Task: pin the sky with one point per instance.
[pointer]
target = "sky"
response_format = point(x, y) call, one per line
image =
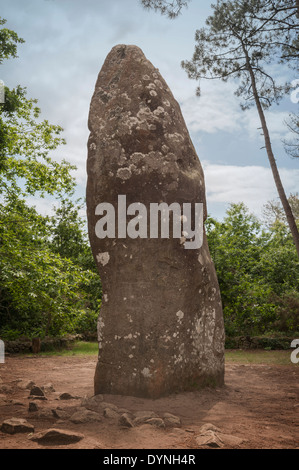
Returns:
point(66, 43)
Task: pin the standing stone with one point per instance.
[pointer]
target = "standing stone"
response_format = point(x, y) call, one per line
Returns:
point(160, 328)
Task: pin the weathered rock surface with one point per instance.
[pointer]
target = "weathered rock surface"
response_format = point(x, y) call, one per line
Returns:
point(67, 396)
point(16, 425)
point(171, 420)
point(32, 407)
point(57, 437)
point(93, 403)
point(60, 413)
point(126, 421)
point(142, 416)
point(45, 413)
point(211, 436)
point(26, 384)
point(160, 328)
point(85, 416)
point(110, 413)
point(36, 391)
point(111, 406)
point(157, 422)
point(232, 441)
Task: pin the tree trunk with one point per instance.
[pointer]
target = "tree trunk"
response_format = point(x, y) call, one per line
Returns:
point(284, 201)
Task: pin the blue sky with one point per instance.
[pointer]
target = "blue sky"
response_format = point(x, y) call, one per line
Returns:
point(66, 44)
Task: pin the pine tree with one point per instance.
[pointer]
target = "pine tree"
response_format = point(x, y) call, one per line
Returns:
point(238, 43)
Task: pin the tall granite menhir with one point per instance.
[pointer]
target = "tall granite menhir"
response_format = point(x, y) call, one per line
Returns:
point(160, 327)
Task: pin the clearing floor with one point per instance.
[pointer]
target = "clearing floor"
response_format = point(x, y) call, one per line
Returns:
point(258, 404)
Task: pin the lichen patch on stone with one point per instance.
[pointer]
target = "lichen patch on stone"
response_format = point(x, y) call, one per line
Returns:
point(180, 315)
point(103, 258)
point(124, 173)
point(146, 372)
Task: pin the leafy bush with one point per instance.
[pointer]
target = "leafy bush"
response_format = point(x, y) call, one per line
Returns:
point(258, 273)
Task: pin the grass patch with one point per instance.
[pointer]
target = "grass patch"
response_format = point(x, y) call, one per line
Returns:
point(259, 356)
point(238, 356)
point(85, 348)
point(78, 348)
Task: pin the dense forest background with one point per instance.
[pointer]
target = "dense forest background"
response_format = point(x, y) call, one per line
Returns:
point(49, 284)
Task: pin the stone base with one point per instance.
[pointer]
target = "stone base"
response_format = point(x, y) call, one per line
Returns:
point(108, 380)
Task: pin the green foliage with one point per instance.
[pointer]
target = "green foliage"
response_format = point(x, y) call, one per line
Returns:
point(282, 18)
point(68, 235)
point(273, 212)
point(240, 37)
point(258, 273)
point(41, 292)
point(287, 311)
point(291, 145)
point(25, 143)
point(170, 8)
point(48, 280)
point(8, 42)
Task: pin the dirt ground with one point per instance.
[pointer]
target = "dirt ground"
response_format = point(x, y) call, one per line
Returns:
point(259, 404)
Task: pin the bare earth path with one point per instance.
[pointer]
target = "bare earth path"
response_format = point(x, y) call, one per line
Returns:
point(259, 404)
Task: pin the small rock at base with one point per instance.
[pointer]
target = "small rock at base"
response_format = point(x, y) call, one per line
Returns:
point(57, 437)
point(26, 384)
point(171, 420)
point(66, 396)
point(16, 425)
point(85, 416)
point(126, 421)
point(32, 406)
point(157, 422)
point(109, 413)
point(209, 427)
point(232, 441)
point(92, 403)
point(36, 391)
point(141, 417)
point(45, 413)
point(60, 414)
point(209, 439)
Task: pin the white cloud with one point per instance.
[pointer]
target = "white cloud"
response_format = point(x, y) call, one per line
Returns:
point(216, 110)
point(44, 206)
point(275, 123)
point(253, 185)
